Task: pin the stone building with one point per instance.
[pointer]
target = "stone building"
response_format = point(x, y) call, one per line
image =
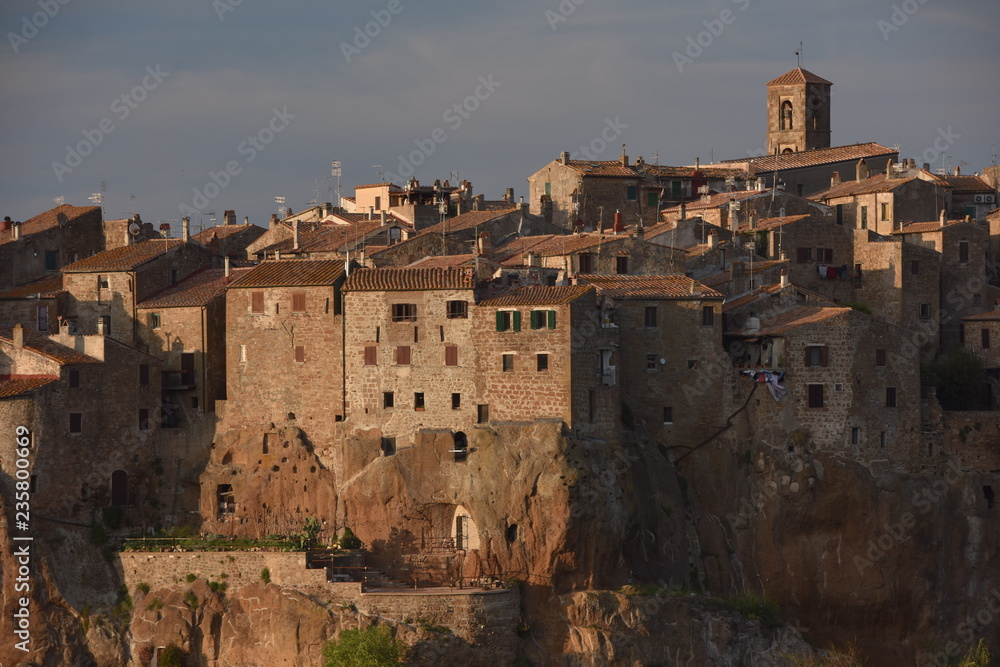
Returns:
point(284, 354)
point(42, 245)
point(415, 248)
point(798, 112)
point(92, 407)
point(883, 203)
point(36, 305)
point(229, 240)
point(103, 290)
point(591, 252)
point(732, 210)
point(671, 357)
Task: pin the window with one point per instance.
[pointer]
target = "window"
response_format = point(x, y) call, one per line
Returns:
point(508, 320)
point(143, 419)
point(621, 265)
point(816, 355)
point(173, 276)
point(102, 282)
point(880, 357)
point(864, 217)
point(404, 312)
point(925, 311)
point(458, 310)
point(815, 395)
point(194, 402)
point(650, 362)
point(74, 379)
point(388, 446)
point(403, 355)
point(855, 435)
point(76, 422)
point(298, 302)
point(651, 199)
point(786, 115)
point(42, 317)
point(154, 321)
point(225, 498)
point(890, 397)
point(914, 267)
point(243, 353)
point(482, 413)
point(537, 319)
point(840, 214)
point(882, 439)
point(708, 316)
point(631, 192)
point(508, 363)
point(300, 354)
point(543, 361)
point(456, 401)
point(803, 255)
point(388, 399)
point(986, 339)
point(371, 355)
point(799, 187)
point(418, 400)
point(104, 324)
point(548, 189)
point(187, 368)
point(451, 355)
point(885, 211)
point(963, 252)
point(824, 255)
point(257, 302)
point(51, 260)
point(378, 203)
point(668, 415)
point(650, 316)
point(586, 262)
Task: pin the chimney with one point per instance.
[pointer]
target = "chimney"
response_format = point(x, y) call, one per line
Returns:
point(640, 234)
point(295, 234)
point(246, 220)
point(783, 255)
point(624, 157)
point(530, 258)
point(17, 230)
point(186, 228)
point(230, 217)
point(564, 157)
point(381, 216)
point(695, 288)
point(958, 170)
point(371, 212)
point(713, 239)
point(227, 268)
point(943, 218)
point(784, 278)
point(697, 163)
point(485, 244)
point(835, 179)
point(619, 225)
point(273, 223)
point(6, 224)
point(508, 195)
point(19, 335)
point(927, 166)
point(861, 170)
point(890, 171)
point(683, 209)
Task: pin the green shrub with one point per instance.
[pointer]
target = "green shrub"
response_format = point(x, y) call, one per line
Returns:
point(190, 577)
point(349, 540)
point(959, 377)
point(755, 606)
point(172, 656)
point(112, 516)
point(371, 647)
point(191, 600)
point(265, 575)
point(217, 586)
point(978, 656)
point(142, 587)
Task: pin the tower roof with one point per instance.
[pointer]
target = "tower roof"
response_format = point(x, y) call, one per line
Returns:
point(798, 75)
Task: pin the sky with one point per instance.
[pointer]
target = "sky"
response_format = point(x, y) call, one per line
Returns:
point(195, 106)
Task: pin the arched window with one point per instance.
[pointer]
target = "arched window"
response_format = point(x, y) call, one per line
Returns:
point(788, 150)
point(786, 115)
point(119, 488)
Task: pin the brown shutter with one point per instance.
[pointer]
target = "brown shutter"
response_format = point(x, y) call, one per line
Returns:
point(451, 355)
point(300, 354)
point(258, 302)
point(298, 302)
point(371, 355)
point(823, 356)
point(403, 355)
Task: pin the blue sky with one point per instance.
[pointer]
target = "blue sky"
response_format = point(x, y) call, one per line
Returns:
point(295, 78)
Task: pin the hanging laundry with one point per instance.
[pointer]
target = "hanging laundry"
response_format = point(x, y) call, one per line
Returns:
point(822, 270)
point(842, 272)
point(831, 272)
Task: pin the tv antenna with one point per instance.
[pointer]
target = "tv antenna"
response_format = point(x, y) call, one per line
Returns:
point(798, 55)
point(380, 171)
point(335, 173)
point(101, 197)
point(59, 200)
point(280, 201)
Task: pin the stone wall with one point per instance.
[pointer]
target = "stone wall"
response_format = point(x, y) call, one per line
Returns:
point(23, 260)
point(972, 439)
point(818, 235)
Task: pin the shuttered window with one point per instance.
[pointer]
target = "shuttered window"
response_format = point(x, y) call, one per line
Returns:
point(451, 355)
point(257, 302)
point(403, 355)
point(300, 354)
point(298, 302)
point(371, 355)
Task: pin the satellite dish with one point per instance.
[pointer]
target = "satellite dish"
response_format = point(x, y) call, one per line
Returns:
point(134, 229)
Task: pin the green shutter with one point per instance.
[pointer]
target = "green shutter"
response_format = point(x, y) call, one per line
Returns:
point(552, 319)
point(499, 320)
point(517, 320)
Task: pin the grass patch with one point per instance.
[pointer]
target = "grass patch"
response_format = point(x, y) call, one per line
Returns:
point(754, 606)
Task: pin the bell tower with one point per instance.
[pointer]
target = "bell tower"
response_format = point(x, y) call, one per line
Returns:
point(798, 112)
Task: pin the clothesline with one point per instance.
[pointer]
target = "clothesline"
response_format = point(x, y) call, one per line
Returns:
point(772, 380)
point(831, 272)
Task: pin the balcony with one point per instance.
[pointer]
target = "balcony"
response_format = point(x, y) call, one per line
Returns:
point(178, 380)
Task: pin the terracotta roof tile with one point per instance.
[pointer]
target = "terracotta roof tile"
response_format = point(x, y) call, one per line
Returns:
point(291, 273)
point(538, 296)
point(782, 324)
point(817, 156)
point(768, 290)
point(708, 171)
point(11, 386)
point(967, 183)
point(61, 214)
point(442, 261)
point(469, 220)
point(988, 316)
point(611, 168)
point(405, 279)
point(46, 287)
point(197, 290)
point(391, 186)
point(43, 345)
point(225, 231)
point(124, 258)
point(797, 75)
point(876, 183)
point(651, 287)
point(773, 223)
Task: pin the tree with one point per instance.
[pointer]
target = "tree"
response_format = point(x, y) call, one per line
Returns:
point(371, 647)
point(959, 377)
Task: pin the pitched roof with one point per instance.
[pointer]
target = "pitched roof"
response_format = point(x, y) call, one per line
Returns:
point(988, 316)
point(816, 156)
point(442, 261)
point(782, 324)
point(876, 183)
point(291, 273)
point(43, 345)
point(390, 185)
point(195, 290)
point(46, 287)
point(538, 296)
point(612, 168)
point(768, 290)
point(718, 199)
point(330, 237)
point(225, 231)
point(707, 171)
point(470, 219)
point(967, 183)
point(927, 227)
point(651, 287)
point(772, 223)
point(60, 215)
point(124, 258)
point(798, 75)
point(18, 385)
point(406, 279)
